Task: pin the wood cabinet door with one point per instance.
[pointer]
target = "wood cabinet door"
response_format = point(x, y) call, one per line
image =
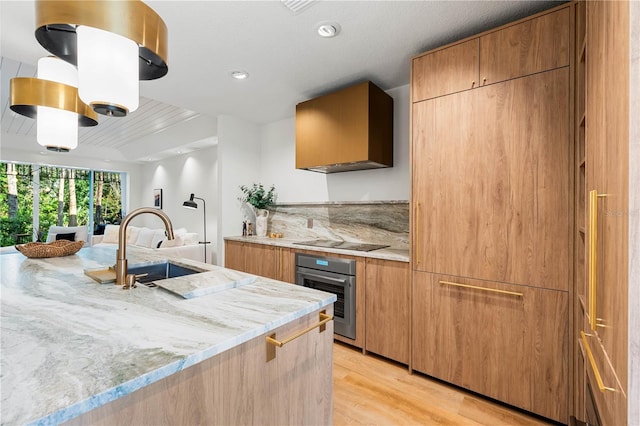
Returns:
point(234, 255)
point(287, 265)
point(510, 346)
point(387, 309)
point(452, 69)
point(607, 150)
point(491, 182)
point(260, 259)
point(532, 46)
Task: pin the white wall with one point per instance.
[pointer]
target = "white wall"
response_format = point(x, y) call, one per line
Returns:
point(277, 165)
point(239, 164)
point(178, 177)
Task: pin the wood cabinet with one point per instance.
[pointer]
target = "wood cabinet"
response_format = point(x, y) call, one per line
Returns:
point(445, 71)
point(352, 127)
point(525, 48)
point(491, 182)
point(516, 50)
point(504, 341)
point(239, 386)
point(491, 215)
point(387, 309)
point(603, 135)
point(260, 259)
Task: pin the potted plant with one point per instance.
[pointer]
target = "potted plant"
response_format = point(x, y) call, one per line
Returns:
point(260, 199)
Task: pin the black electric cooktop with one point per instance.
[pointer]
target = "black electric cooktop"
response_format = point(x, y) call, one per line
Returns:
point(343, 245)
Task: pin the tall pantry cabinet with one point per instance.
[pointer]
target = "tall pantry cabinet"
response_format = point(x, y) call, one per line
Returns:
point(492, 212)
point(602, 214)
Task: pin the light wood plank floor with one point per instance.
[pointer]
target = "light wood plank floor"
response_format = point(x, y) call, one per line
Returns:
point(369, 390)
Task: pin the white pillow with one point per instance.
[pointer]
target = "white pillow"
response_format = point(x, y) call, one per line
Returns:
point(133, 232)
point(191, 238)
point(180, 231)
point(111, 234)
point(157, 237)
point(176, 242)
point(145, 237)
point(82, 232)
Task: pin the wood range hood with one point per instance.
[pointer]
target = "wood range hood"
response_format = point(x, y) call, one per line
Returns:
point(350, 129)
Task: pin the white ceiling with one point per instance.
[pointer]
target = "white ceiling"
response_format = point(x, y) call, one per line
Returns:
point(287, 61)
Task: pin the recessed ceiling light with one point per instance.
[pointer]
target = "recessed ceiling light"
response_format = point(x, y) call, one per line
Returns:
point(328, 29)
point(239, 75)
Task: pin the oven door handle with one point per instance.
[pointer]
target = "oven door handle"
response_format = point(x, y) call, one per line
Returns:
point(322, 277)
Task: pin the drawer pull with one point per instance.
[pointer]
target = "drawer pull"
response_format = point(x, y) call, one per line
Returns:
point(272, 342)
point(592, 361)
point(493, 290)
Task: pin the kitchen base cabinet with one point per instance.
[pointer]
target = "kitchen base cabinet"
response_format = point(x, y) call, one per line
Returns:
point(387, 309)
point(508, 342)
point(267, 261)
point(239, 386)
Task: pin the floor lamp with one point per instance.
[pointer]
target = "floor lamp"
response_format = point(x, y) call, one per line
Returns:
point(191, 204)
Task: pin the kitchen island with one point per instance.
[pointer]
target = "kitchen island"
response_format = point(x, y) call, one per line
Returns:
point(73, 349)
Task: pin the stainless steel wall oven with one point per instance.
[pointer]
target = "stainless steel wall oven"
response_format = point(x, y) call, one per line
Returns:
point(333, 275)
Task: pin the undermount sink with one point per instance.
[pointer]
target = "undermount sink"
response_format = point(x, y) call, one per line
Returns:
point(146, 274)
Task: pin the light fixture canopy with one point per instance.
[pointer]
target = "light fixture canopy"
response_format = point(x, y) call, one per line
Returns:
point(61, 27)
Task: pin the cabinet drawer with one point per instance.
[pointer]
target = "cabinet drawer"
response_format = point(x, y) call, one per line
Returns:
point(532, 46)
point(507, 342)
point(445, 71)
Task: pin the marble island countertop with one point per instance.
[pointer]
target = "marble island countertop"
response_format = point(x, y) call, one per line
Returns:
point(70, 344)
point(390, 253)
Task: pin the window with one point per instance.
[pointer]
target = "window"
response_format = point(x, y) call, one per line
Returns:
point(65, 197)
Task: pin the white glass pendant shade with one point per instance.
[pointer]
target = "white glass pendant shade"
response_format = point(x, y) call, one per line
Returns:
point(107, 71)
point(57, 129)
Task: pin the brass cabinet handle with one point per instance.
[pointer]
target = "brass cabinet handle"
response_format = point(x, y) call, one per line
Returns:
point(484, 81)
point(416, 244)
point(592, 361)
point(473, 83)
point(593, 258)
point(475, 287)
point(272, 342)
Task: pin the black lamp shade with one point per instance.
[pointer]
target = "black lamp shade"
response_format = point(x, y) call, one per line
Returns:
point(190, 204)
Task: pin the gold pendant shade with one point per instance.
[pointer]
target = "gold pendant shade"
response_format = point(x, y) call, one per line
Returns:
point(29, 93)
point(56, 23)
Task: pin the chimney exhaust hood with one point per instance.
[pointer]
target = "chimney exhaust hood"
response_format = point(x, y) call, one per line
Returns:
point(350, 129)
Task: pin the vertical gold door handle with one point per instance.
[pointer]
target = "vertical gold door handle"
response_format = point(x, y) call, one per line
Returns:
point(416, 256)
point(593, 255)
point(594, 321)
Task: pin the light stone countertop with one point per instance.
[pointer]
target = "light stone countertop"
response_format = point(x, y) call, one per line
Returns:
point(69, 344)
point(399, 255)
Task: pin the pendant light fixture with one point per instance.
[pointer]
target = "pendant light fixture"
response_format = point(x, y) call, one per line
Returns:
point(52, 99)
point(113, 43)
point(56, 128)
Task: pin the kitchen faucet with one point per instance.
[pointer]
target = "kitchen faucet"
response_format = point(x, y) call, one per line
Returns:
point(121, 254)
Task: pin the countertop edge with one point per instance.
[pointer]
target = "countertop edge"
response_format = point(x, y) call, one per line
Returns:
point(383, 254)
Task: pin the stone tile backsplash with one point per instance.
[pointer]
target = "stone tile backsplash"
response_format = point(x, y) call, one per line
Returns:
point(376, 222)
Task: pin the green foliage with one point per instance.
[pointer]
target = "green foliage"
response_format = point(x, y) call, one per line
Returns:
point(47, 192)
point(9, 227)
point(257, 196)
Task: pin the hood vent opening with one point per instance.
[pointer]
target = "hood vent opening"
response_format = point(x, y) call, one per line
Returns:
point(350, 129)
